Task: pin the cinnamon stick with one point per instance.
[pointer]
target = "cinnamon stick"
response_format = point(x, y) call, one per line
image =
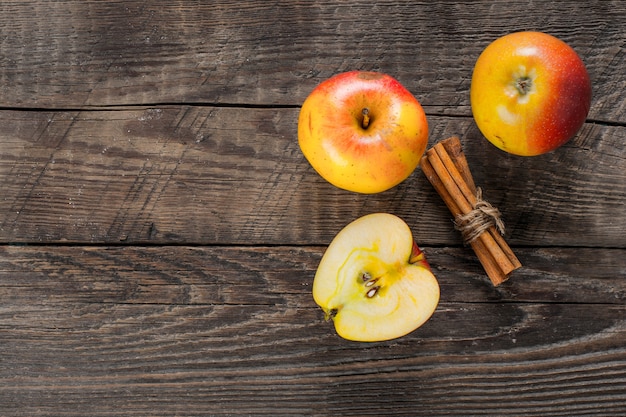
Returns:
point(489, 264)
point(454, 149)
point(446, 168)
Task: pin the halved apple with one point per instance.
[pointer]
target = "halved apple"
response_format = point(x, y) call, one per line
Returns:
point(374, 282)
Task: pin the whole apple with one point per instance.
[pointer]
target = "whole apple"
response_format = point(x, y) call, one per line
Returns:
point(374, 282)
point(530, 93)
point(362, 131)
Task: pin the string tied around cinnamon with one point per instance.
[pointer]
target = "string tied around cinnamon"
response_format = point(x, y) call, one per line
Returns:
point(482, 217)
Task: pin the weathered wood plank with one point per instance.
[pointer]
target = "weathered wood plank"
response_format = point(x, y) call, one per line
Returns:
point(234, 330)
point(239, 361)
point(208, 175)
point(282, 275)
point(77, 54)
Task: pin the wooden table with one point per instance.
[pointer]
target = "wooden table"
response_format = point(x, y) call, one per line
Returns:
point(160, 228)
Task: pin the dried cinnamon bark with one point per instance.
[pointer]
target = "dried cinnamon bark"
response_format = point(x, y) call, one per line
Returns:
point(446, 168)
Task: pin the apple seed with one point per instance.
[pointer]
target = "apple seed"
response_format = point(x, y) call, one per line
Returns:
point(370, 283)
point(372, 292)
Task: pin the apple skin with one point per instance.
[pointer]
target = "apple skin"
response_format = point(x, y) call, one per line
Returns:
point(368, 159)
point(550, 113)
point(374, 281)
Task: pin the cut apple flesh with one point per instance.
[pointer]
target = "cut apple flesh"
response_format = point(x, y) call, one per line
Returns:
point(374, 282)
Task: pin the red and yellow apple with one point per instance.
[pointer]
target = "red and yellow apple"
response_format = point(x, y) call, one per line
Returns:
point(362, 131)
point(530, 93)
point(374, 282)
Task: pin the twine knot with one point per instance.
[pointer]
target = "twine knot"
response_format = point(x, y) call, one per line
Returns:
point(480, 219)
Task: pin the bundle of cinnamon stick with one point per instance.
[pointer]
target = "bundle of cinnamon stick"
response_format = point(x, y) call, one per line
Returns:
point(446, 168)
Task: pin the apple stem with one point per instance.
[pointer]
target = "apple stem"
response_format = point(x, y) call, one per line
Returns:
point(366, 118)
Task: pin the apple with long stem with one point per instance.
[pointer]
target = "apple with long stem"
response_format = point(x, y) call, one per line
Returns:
point(374, 282)
point(362, 131)
point(530, 93)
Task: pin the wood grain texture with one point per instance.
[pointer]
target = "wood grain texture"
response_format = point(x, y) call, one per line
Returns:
point(236, 176)
point(160, 228)
point(94, 53)
point(234, 330)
